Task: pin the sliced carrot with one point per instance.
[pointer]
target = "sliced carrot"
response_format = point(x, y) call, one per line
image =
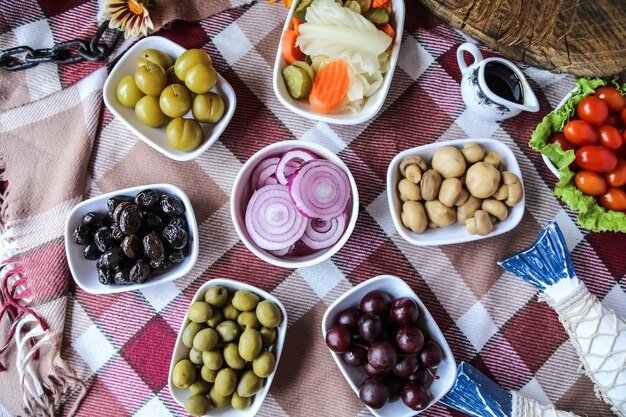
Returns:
point(386, 28)
point(296, 25)
point(291, 52)
point(330, 87)
point(381, 4)
point(287, 3)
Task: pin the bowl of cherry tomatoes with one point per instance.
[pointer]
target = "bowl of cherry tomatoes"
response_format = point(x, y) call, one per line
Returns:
point(583, 142)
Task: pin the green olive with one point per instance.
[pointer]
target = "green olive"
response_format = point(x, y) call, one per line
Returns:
point(183, 374)
point(232, 357)
point(195, 356)
point(216, 319)
point(225, 382)
point(200, 387)
point(189, 59)
point(151, 79)
point(197, 405)
point(155, 56)
point(190, 332)
point(230, 312)
point(208, 108)
point(240, 403)
point(244, 300)
point(128, 94)
point(175, 100)
point(199, 312)
point(268, 336)
point(213, 359)
point(248, 320)
point(206, 339)
point(148, 111)
point(269, 314)
point(249, 384)
point(217, 400)
point(208, 374)
point(228, 330)
point(250, 344)
point(216, 295)
point(200, 78)
point(184, 134)
point(264, 364)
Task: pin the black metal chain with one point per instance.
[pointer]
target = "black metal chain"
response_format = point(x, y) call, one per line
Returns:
point(70, 52)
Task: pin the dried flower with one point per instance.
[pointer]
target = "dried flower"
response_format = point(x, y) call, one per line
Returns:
point(129, 16)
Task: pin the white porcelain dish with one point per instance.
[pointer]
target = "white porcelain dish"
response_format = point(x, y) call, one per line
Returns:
point(395, 287)
point(84, 271)
point(456, 232)
point(155, 137)
point(241, 194)
point(547, 160)
point(372, 105)
point(182, 352)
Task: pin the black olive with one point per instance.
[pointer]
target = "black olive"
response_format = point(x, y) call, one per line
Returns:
point(95, 220)
point(158, 267)
point(152, 221)
point(122, 276)
point(111, 259)
point(175, 236)
point(153, 247)
point(82, 234)
point(130, 219)
point(140, 272)
point(179, 221)
point(171, 205)
point(102, 238)
point(118, 211)
point(105, 276)
point(176, 257)
point(131, 246)
point(91, 252)
point(113, 202)
point(147, 198)
point(116, 232)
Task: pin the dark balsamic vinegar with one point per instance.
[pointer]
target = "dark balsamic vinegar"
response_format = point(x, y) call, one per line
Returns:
point(503, 82)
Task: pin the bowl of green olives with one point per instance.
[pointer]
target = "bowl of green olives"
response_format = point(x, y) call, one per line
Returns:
point(227, 351)
point(170, 97)
point(154, 239)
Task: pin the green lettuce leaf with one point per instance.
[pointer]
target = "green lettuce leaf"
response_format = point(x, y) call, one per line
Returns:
point(591, 215)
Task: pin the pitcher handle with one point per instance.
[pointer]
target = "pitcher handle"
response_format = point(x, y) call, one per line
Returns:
point(472, 49)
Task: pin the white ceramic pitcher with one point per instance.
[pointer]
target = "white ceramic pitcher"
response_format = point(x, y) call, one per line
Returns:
point(479, 99)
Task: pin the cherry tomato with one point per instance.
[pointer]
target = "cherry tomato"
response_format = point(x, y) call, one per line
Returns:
point(596, 159)
point(559, 137)
point(617, 177)
point(580, 133)
point(614, 199)
point(610, 137)
point(621, 152)
point(622, 114)
point(590, 183)
point(594, 110)
point(614, 99)
point(615, 121)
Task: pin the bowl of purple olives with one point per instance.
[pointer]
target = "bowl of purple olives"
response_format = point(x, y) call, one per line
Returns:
point(132, 238)
point(389, 348)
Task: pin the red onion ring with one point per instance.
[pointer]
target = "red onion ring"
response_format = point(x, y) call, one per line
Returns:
point(263, 165)
point(272, 220)
point(321, 234)
point(320, 189)
point(291, 159)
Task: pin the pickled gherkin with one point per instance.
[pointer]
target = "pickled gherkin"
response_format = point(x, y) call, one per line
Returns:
point(377, 16)
point(298, 82)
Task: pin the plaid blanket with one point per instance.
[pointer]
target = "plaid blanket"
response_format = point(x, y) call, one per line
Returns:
point(116, 349)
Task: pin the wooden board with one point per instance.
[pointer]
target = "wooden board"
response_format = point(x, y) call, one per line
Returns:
point(581, 37)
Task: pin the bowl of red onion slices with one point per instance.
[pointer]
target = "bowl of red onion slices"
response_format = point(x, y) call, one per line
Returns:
point(294, 204)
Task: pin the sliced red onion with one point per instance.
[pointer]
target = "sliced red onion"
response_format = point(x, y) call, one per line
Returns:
point(281, 252)
point(300, 249)
point(320, 189)
point(263, 165)
point(292, 159)
point(272, 219)
point(321, 234)
point(271, 180)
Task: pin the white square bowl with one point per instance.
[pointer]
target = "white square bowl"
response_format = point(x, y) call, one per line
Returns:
point(456, 232)
point(182, 352)
point(84, 270)
point(155, 136)
point(241, 193)
point(372, 105)
point(355, 375)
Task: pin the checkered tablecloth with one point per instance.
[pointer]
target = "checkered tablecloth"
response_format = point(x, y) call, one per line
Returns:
point(121, 345)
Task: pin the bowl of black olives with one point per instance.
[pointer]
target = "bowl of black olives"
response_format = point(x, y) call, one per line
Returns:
point(132, 238)
point(389, 348)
